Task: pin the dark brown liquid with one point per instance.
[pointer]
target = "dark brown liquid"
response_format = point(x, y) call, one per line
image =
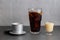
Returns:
point(35, 21)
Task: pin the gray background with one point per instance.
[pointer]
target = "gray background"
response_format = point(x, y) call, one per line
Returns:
point(17, 11)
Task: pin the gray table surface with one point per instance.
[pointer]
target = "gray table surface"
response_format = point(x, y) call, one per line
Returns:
point(28, 36)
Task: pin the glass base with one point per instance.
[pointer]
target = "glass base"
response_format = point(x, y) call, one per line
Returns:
point(34, 32)
point(49, 33)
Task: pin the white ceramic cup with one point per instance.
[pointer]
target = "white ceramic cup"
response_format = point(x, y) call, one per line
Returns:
point(17, 28)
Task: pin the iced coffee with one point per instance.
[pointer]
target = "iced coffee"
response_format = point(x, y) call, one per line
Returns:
point(35, 17)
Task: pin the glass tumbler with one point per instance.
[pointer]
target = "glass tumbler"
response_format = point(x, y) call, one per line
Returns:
point(35, 17)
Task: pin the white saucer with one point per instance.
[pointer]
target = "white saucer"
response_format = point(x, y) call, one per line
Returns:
point(17, 33)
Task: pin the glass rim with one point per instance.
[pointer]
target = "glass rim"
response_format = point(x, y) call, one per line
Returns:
point(35, 8)
point(39, 10)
